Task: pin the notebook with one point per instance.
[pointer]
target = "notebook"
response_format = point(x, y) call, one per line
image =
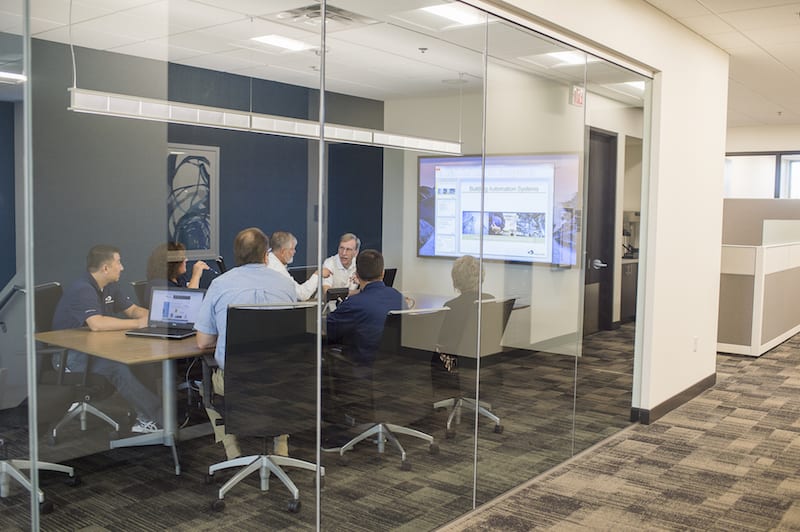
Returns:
point(173, 312)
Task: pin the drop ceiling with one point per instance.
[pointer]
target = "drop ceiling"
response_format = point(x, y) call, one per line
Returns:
point(375, 49)
point(763, 40)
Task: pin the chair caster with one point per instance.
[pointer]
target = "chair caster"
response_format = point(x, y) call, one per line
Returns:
point(52, 440)
point(294, 506)
point(433, 448)
point(405, 465)
point(449, 434)
point(498, 429)
point(208, 479)
point(73, 481)
point(343, 460)
point(218, 505)
point(45, 507)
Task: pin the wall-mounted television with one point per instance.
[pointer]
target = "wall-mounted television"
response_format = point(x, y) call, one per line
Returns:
point(527, 212)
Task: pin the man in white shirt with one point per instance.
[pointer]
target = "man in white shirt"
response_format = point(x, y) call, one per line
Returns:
point(338, 271)
point(284, 246)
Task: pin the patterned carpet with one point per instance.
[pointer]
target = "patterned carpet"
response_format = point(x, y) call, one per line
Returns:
point(534, 393)
point(727, 460)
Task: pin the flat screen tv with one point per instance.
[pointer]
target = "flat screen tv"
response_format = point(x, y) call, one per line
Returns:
point(527, 212)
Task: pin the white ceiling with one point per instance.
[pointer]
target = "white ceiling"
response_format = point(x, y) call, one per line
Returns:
point(763, 40)
point(392, 50)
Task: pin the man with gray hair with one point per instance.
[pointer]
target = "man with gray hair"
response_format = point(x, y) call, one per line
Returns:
point(284, 247)
point(339, 270)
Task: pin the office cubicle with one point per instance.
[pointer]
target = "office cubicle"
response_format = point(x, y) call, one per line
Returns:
point(445, 133)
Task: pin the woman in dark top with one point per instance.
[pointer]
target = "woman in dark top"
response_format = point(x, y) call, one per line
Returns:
point(168, 262)
point(461, 321)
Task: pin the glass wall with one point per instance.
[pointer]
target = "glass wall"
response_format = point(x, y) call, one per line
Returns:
point(451, 142)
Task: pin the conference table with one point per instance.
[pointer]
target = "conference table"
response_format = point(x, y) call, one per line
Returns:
point(116, 346)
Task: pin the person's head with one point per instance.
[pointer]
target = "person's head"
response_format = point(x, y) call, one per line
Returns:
point(284, 246)
point(250, 246)
point(168, 261)
point(104, 263)
point(466, 274)
point(369, 265)
point(349, 244)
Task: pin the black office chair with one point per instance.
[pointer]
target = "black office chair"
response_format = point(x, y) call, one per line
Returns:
point(12, 468)
point(85, 386)
point(270, 388)
point(142, 291)
point(353, 388)
point(463, 343)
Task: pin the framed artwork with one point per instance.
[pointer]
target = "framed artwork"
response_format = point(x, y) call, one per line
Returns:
point(193, 199)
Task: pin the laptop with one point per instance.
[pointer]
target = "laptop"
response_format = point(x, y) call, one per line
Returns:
point(388, 276)
point(173, 312)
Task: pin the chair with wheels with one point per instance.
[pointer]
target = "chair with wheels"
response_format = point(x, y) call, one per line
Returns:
point(85, 386)
point(463, 342)
point(142, 291)
point(270, 389)
point(12, 468)
point(384, 393)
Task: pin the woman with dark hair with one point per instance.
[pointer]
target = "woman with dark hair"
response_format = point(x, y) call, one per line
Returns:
point(168, 262)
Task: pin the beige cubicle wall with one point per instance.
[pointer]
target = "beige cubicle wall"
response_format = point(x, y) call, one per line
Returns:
point(760, 275)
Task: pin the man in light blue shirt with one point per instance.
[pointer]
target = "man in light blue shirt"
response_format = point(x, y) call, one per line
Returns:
point(251, 282)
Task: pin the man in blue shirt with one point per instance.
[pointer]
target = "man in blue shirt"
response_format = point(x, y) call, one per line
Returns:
point(94, 300)
point(251, 282)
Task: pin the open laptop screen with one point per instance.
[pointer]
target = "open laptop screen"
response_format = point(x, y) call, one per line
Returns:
point(174, 307)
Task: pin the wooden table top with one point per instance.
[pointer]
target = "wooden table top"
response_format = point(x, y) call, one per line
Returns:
point(114, 345)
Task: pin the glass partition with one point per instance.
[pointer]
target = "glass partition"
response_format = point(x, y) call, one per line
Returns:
point(444, 150)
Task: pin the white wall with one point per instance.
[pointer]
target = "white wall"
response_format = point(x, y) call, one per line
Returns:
point(678, 303)
point(763, 138)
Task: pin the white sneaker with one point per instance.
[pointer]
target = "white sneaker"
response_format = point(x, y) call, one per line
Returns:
point(145, 427)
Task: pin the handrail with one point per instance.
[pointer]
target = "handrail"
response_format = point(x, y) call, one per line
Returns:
point(14, 291)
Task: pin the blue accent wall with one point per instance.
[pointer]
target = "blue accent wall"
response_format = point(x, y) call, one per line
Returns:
point(8, 259)
point(355, 194)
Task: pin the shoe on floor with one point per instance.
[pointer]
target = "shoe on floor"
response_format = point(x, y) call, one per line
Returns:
point(145, 427)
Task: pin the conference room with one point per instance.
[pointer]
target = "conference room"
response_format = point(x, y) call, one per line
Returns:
point(433, 131)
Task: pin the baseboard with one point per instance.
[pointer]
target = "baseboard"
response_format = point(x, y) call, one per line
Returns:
point(645, 416)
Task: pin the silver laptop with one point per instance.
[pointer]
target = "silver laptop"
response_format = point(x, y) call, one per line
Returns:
point(173, 312)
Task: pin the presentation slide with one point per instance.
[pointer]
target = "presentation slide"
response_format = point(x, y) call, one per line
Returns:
point(522, 212)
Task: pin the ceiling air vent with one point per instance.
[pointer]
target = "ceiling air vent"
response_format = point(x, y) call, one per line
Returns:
point(311, 17)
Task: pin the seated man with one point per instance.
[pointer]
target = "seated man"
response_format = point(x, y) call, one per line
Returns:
point(339, 270)
point(92, 301)
point(357, 324)
point(251, 282)
point(284, 246)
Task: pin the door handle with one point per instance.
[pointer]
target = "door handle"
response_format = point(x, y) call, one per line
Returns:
point(598, 264)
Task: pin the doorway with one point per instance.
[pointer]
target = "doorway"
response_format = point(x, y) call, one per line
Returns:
point(600, 205)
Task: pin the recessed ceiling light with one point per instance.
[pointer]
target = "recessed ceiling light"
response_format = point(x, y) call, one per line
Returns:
point(457, 13)
point(636, 84)
point(571, 58)
point(286, 43)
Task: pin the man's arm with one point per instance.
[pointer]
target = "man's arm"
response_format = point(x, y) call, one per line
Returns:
point(98, 322)
point(135, 311)
point(205, 340)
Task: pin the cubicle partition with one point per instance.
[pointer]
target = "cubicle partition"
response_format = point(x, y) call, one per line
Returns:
point(448, 138)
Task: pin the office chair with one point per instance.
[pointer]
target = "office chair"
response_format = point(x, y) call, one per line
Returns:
point(142, 291)
point(85, 386)
point(463, 343)
point(354, 386)
point(11, 468)
point(270, 389)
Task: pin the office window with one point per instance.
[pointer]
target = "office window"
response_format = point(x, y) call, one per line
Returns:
point(750, 176)
point(790, 171)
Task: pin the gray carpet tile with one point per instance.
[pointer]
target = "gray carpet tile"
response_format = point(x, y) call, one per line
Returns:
point(728, 459)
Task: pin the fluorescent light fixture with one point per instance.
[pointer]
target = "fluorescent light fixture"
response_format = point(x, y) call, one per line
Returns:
point(457, 13)
point(638, 85)
point(126, 106)
point(279, 41)
point(571, 58)
point(12, 77)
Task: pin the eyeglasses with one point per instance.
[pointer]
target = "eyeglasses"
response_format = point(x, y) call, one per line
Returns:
point(348, 250)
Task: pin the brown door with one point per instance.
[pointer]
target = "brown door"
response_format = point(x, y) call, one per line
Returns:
point(600, 208)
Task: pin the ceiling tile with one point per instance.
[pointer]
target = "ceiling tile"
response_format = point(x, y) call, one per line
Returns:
point(728, 6)
point(776, 35)
point(767, 17)
point(88, 37)
point(731, 40)
point(706, 24)
point(680, 8)
point(160, 49)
